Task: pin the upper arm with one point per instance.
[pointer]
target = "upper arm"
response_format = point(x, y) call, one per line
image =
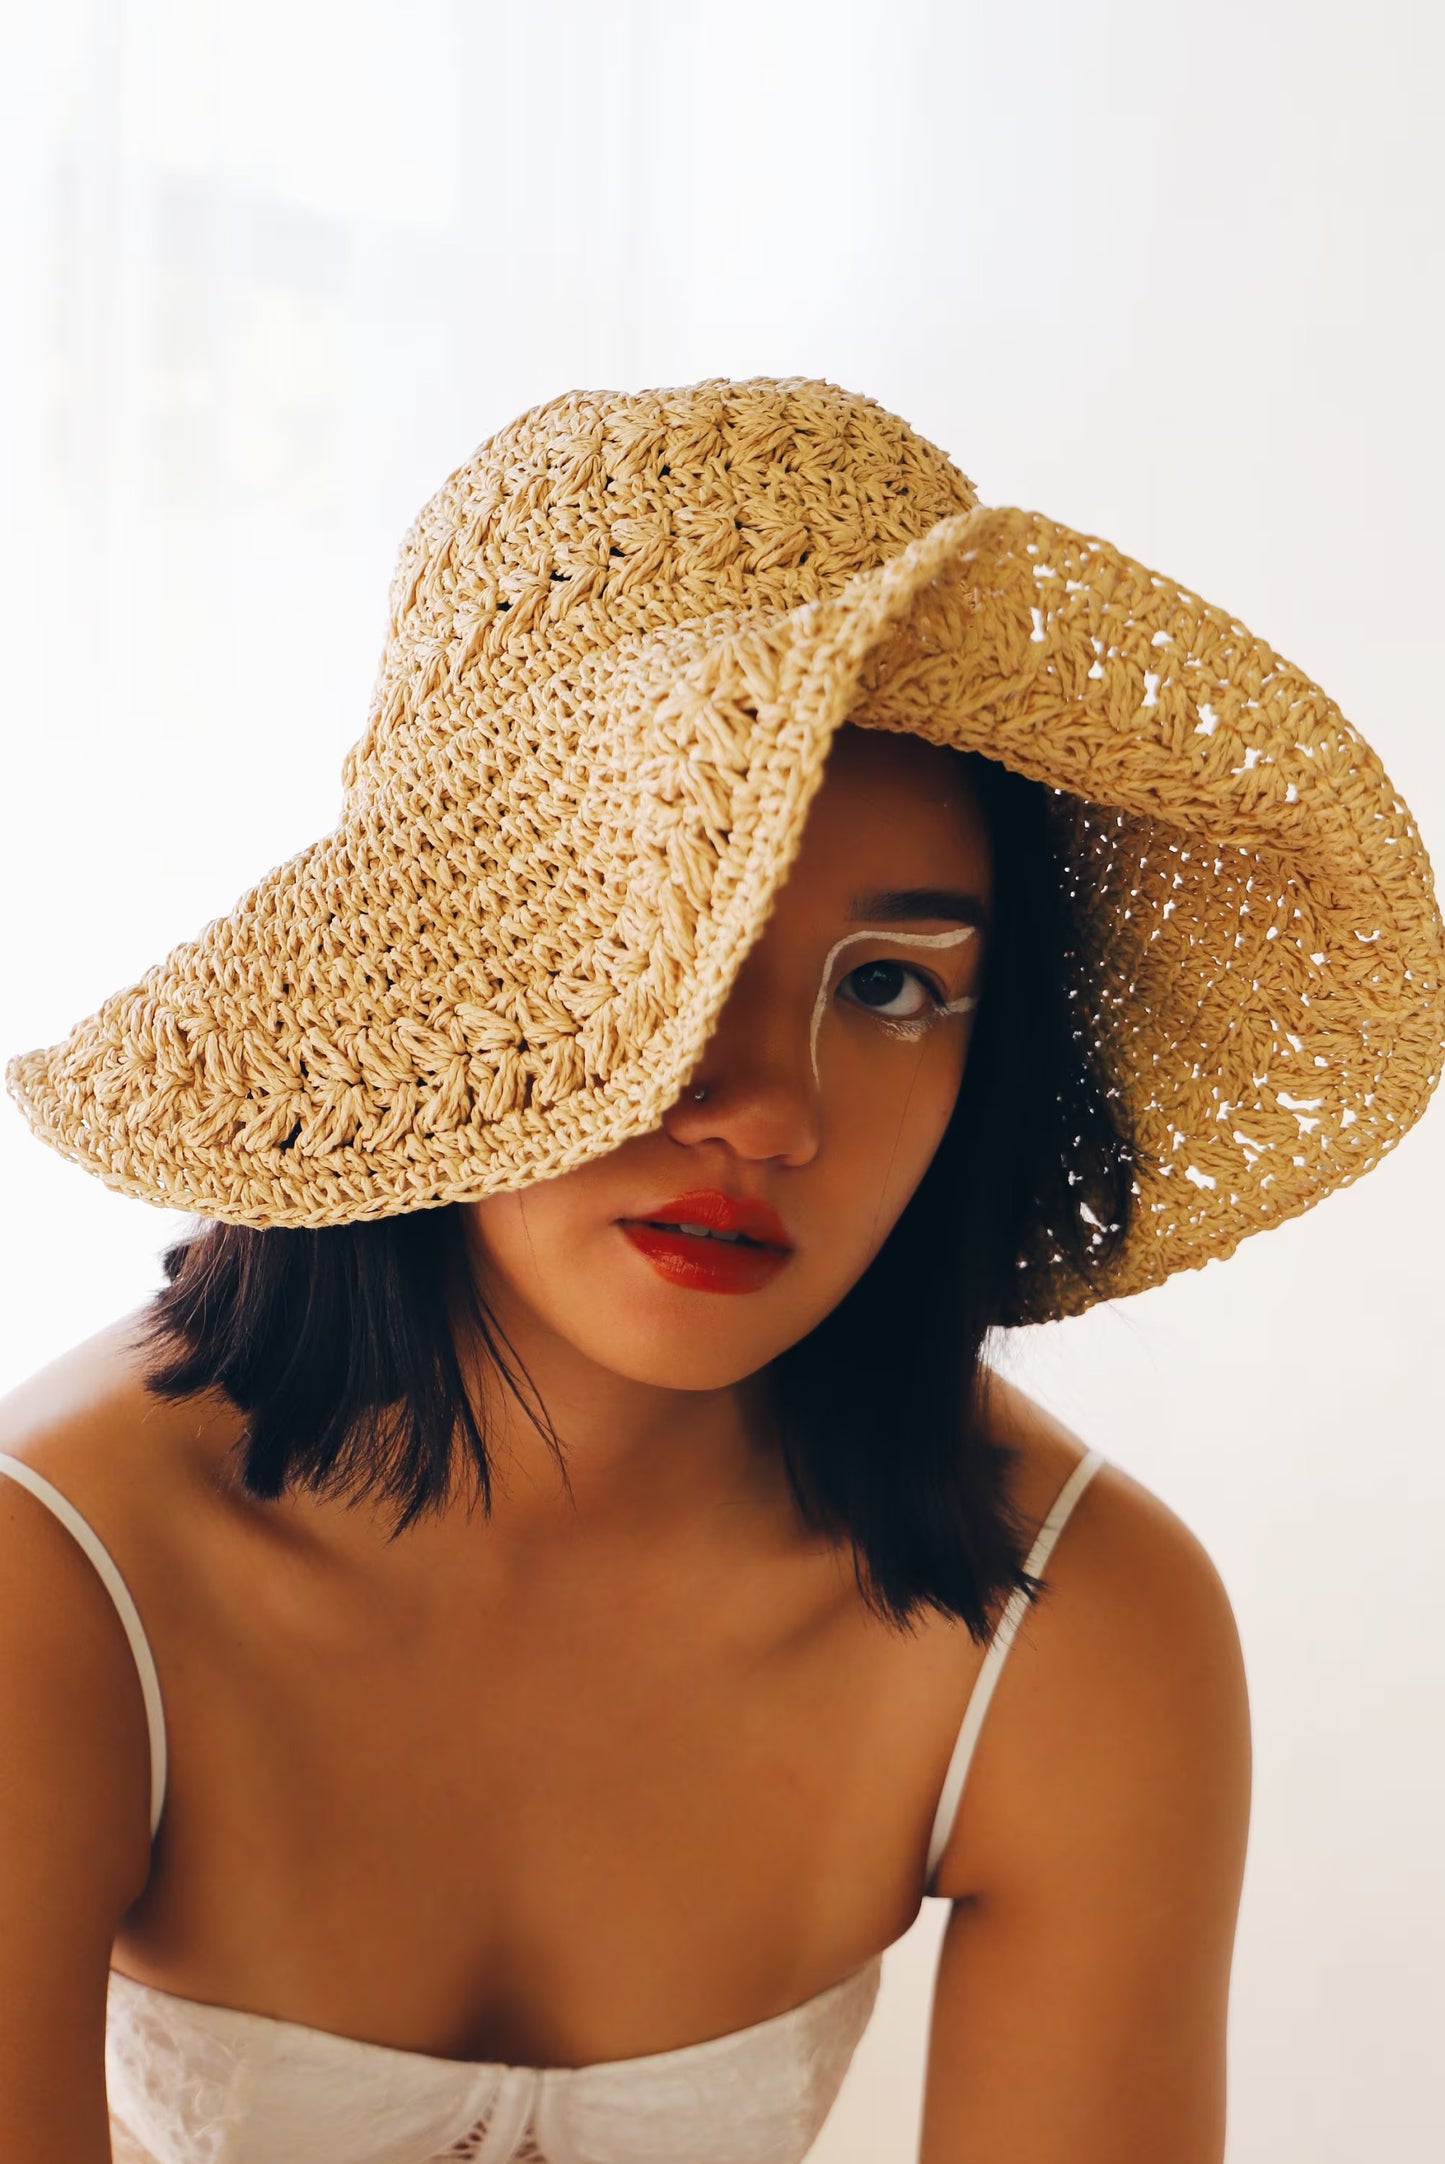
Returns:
point(1079, 2012)
point(74, 1832)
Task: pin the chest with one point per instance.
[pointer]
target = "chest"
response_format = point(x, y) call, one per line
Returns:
point(582, 1826)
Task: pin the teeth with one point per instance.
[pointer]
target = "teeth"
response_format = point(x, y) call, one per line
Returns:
point(706, 1232)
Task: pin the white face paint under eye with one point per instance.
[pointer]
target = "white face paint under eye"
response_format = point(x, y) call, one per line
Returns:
point(965, 1005)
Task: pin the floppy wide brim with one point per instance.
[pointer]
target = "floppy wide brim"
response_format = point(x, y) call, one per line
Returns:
point(384, 1024)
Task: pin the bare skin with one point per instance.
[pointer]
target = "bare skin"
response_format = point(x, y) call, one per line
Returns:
point(603, 1777)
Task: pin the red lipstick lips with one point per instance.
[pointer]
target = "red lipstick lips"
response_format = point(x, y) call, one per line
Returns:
point(755, 1220)
point(702, 1257)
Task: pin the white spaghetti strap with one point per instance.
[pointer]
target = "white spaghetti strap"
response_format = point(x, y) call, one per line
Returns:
point(995, 1657)
point(119, 1592)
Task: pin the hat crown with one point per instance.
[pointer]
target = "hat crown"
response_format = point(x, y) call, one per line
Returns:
point(602, 515)
point(624, 636)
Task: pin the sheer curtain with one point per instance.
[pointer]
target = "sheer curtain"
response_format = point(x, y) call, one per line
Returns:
point(271, 271)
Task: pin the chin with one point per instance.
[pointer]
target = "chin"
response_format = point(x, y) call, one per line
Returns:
point(678, 1368)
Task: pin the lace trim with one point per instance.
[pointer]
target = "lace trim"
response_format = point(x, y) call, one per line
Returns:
point(194, 2084)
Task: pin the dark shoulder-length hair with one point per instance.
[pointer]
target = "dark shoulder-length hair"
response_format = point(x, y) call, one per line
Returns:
point(339, 1346)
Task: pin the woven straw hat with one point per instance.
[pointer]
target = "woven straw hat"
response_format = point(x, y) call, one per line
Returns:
point(622, 637)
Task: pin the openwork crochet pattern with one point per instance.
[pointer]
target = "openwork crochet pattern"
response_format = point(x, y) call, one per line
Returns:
point(622, 638)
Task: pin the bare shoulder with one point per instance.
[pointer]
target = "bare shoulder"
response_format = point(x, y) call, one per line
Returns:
point(76, 1793)
point(72, 1386)
point(69, 1422)
point(1081, 2000)
point(87, 1423)
point(1122, 1540)
point(76, 1788)
point(1129, 1662)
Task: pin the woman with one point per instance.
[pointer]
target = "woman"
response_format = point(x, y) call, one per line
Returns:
point(785, 923)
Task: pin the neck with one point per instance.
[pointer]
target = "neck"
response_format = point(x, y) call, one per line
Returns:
point(644, 1463)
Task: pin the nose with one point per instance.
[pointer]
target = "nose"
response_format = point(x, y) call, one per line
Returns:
point(759, 1095)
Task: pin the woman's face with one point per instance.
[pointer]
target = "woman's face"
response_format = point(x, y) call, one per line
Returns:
point(829, 1080)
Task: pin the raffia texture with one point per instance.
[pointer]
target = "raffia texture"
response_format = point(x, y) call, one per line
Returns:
point(622, 638)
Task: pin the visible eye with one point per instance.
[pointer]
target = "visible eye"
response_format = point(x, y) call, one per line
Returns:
point(880, 991)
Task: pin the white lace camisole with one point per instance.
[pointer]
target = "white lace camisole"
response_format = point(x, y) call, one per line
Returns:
point(190, 2083)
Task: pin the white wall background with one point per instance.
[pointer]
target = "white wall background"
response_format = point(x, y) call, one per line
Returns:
point(1172, 274)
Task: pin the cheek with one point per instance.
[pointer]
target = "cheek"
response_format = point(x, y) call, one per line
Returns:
point(893, 1092)
point(888, 1141)
point(544, 1252)
point(512, 1238)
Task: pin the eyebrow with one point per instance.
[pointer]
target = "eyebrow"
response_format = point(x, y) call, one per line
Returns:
point(900, 905)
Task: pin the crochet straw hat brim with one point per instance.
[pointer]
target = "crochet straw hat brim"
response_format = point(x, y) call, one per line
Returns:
point(622, 638)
